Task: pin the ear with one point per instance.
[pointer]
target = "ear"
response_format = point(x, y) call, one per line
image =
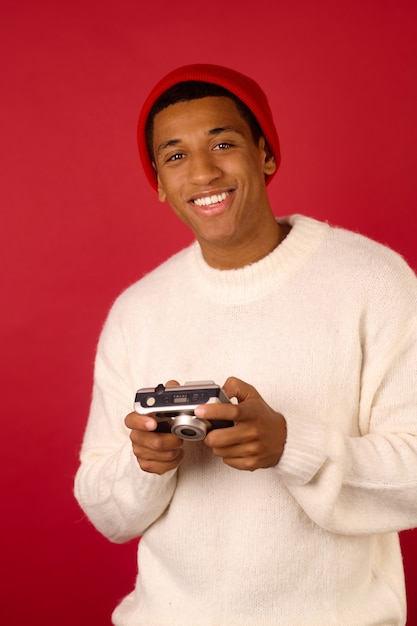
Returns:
point(270, 164)
point(161, 193)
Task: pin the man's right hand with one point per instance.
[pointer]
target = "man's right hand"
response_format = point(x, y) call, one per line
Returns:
point(156, 453)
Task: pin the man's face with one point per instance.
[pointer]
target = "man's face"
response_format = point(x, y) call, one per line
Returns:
point(212, 174)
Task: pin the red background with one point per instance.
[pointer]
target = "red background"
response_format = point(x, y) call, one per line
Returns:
point(79, 222)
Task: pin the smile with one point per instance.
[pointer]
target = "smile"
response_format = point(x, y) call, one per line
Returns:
point(211, 200)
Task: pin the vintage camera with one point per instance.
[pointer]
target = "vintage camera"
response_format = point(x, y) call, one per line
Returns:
point(173, 408)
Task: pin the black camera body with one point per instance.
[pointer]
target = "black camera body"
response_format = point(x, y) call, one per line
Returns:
point(173, 408)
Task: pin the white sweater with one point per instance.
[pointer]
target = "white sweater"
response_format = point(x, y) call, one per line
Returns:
point(325, 327)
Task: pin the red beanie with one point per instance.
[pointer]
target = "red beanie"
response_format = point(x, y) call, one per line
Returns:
point(246, 89)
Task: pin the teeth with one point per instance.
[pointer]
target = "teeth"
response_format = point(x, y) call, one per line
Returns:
point(209, 200)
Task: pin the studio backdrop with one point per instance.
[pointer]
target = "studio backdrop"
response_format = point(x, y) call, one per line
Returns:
point(79, 221)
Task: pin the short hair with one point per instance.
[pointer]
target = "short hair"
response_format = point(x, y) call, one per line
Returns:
point(188, 90)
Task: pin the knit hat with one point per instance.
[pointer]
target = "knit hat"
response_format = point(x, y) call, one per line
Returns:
point(246, 89)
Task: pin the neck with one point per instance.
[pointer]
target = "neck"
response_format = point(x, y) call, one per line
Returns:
point(228, 257)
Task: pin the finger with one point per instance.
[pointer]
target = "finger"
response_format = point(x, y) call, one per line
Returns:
point(134, 421)
point(150, 447)
point(249, 464)
point(247, 457)
point(221, 410)
point(239, 389)
point(162, 456)
point(224, 438)
point(160, 467)
point(239, 456)
point(246, 410)
point(158, 442)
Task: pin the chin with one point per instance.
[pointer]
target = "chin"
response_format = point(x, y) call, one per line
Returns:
point(217, 238)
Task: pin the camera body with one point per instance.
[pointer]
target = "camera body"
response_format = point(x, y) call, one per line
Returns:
point(173, 408)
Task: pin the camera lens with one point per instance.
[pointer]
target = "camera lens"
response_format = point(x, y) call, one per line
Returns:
point(187, 432)
point(189, 427)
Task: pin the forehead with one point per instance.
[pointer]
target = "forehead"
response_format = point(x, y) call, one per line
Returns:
point(203, 114)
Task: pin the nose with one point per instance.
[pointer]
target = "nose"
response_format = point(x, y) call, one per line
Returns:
point(204, 168)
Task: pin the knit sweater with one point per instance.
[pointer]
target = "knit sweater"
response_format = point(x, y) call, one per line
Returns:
point(325, 328)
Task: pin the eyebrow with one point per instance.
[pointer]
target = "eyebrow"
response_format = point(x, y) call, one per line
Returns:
point(171, 143)
point(168, 144)
point(223, 129)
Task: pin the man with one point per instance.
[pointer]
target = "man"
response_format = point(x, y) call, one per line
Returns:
point(291, 515)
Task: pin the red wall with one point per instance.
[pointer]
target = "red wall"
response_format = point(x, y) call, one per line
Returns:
point(79, 222)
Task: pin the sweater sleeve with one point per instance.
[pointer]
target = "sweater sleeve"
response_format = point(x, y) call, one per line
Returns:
point(119, 498)
point(366, 483)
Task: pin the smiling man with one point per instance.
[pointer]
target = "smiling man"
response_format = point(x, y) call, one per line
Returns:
point(213, 176)
point(291, 515)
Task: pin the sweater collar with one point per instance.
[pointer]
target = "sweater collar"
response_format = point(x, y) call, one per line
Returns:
point(256, 280)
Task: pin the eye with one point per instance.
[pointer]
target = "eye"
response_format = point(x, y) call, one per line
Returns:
point(175, 157)
point(223, 145)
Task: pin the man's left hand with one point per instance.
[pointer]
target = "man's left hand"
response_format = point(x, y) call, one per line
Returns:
point(258, 436)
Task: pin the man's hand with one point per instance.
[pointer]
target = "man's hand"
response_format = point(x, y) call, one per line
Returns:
point(258, 437)
point(156, 453)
